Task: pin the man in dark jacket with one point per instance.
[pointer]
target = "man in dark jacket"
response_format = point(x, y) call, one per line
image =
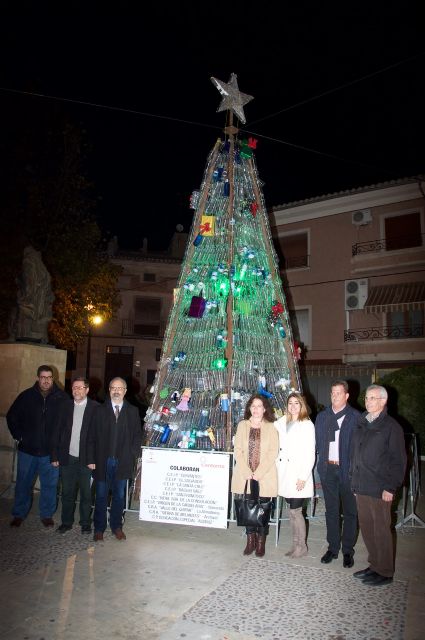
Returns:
point(69, 453)
point(33, 419)
point(377, 468)
point(113, 446)
point(334, 429)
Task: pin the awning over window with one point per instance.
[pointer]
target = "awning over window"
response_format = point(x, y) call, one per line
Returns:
point(406, 296)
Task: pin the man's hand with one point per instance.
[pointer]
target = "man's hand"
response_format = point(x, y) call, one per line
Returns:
point(387, 496)
point(55, 463)
point(91, 466)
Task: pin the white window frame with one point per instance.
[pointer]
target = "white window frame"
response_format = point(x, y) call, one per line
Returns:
point(305, 307)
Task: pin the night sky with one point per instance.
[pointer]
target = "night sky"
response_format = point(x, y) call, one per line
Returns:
point(145, 166)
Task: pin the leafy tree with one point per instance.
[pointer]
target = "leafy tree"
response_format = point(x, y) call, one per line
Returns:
point(406, 399)
point(53, 209)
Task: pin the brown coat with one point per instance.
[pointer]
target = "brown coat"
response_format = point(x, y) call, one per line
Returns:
point(266, 471)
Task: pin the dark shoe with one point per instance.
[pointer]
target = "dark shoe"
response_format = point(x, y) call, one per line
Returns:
point(119, 534)
point(47, 522)
point(363, 573)
point(328, 557)
point(16, 522)
point(377, 580)
point(86, 528)
point(348, 561)
point(251, 543)
point(261, 546)
point(98, 536)
point(63, 528)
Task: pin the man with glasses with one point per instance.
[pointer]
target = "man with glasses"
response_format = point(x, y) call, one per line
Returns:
point(33, 419)
point(69, 453)
point(113, 446)
point(334, 428)
point(377, 468)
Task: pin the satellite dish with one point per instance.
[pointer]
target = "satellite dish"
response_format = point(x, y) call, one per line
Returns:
point(179, 228)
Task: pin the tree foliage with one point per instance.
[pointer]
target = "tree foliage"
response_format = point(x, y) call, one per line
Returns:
point(406, 399)
point(54, 211)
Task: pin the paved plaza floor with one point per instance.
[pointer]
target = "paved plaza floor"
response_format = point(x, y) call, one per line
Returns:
point(173, 582)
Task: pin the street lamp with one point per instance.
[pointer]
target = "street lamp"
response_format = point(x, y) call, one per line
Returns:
point(94, 321)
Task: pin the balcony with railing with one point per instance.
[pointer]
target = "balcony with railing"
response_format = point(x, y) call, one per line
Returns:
point(388, 253)
point(384, 333)
point(295, 262)
point(388, 244)
point(132, 329)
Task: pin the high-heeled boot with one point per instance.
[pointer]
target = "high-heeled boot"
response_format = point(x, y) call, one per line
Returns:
point(261, 546)
point(251, 543)
point(292, 519)
point(300, 533)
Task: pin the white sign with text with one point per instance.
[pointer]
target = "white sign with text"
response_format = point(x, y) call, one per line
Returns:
point(185, 487)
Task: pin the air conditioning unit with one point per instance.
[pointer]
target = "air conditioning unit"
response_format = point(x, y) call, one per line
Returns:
point(355, 294)
point(361, 217)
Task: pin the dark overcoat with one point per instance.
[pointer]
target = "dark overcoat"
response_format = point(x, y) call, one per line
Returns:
point(129, 440)
point(60, 449)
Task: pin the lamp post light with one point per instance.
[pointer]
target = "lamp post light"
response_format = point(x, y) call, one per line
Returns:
point(95, 321)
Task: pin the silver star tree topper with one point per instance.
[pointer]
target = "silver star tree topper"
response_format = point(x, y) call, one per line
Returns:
point(232, 99)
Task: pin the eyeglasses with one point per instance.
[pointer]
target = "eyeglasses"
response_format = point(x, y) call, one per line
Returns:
point(372, 399)
point(46, 377)
point(78, 388)
point(117, 388)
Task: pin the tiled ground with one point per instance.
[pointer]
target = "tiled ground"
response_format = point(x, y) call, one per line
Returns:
point(273, 601)
point(192, 583)
point(32, 546)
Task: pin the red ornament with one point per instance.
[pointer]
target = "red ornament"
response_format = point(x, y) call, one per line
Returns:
point(254, 208)
point(205, 228)
point(252, 143)
point(277, 308)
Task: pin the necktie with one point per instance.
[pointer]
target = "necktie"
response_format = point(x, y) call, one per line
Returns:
point(117, 412)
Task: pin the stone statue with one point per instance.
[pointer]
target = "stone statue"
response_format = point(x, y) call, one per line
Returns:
point(30, 319)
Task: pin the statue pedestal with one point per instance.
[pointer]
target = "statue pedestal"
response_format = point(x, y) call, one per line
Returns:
point(18, 371)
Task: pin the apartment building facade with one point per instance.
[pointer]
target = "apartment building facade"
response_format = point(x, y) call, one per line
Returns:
point(353, 267)
point(130, 345)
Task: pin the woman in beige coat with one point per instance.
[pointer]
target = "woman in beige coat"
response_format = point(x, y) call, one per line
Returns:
point(256, 449)
point(295, 464)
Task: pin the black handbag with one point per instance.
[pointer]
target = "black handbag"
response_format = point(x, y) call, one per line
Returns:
point(250, 510)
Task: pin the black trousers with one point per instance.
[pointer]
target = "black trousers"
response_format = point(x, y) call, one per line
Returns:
point(75, 476)
point(337, 493)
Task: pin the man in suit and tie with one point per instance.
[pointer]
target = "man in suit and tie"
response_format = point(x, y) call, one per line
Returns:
point(69, 453)
point(114, 445)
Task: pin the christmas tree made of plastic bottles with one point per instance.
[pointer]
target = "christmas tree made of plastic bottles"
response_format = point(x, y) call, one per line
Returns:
point(228, 333)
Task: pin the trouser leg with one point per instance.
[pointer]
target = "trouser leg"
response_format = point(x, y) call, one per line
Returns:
point(349, 522)
point(25, 475)
point(69, 481)
point(101, 506)
point(330, 485)
point(49, 476)
point(118, 495)
point(384, 538)
point(84, 482)
point(366, 522)
point(375, 525)
point(117, 504)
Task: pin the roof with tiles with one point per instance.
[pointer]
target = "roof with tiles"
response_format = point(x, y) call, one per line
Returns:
point(346, 192)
